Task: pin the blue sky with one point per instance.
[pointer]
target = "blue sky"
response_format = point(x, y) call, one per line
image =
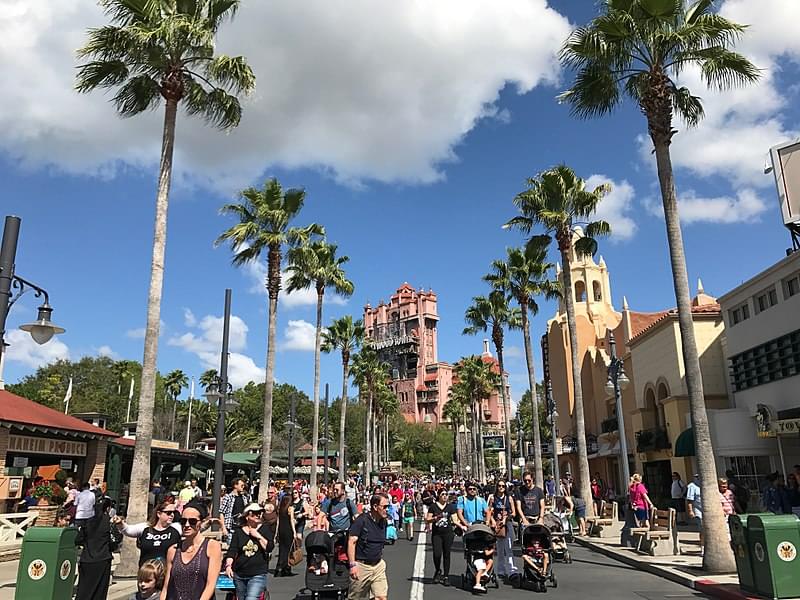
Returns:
point(411, 141)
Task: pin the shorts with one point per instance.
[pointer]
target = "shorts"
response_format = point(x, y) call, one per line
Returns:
point(408, 519)
point(641, 514)
point(580, 511)
point(480, 564)
point(371, 582)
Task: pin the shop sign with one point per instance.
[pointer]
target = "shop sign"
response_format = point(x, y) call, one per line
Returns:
point(34, 445)
point(20, 461)
point(65, 464)
point(787, 426)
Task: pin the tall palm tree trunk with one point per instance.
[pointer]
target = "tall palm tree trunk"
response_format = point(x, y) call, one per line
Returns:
point(481, 455)
point(140, 472)
point(368, 445)
point(273, 287)
point(506, 407)
point(475, 433)
point(717, 555)
point(174, 415)
point(537, 436)
point(315, 424)
point(343, 419)
point(577, 389)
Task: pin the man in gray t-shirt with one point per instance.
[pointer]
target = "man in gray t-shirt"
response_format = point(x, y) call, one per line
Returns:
point(341, 510)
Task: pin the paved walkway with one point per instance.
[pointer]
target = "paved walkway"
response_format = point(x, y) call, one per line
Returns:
point(684, 568)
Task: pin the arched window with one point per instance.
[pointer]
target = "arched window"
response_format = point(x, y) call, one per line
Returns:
point(580, 291)
point(651, 408)
point(596, 293)
point(663, 394)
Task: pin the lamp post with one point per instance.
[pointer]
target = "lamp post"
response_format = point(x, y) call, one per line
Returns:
point(552, 412)
point(291, 425)
point(220, 391)
point(325, 440)
point(617, 382)
point(12, 286)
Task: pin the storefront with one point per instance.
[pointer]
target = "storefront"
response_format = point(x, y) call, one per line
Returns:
point(37, 441)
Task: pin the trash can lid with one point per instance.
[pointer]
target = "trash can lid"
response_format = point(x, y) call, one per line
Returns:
point(50, 534)
point(770, 521)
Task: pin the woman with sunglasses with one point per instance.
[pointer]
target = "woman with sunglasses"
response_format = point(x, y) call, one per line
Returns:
point(193, 565)
point(301, 512)
point(247, 558)
point(157, 535)
point(286, 536)
point(441, 516)
point(502, 520)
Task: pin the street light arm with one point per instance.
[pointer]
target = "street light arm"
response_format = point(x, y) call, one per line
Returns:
point(22, 286)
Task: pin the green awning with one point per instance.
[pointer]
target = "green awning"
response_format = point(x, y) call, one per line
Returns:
point(684, 445)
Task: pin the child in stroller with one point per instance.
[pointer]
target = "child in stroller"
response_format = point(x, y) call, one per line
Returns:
point(536, 555)
point(479, 548)
point(326, 565)
point(558, 537)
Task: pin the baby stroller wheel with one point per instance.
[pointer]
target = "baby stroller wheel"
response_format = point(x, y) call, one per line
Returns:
point(496, 580)
point(543, 586)
point(553, 580)
point(568, 558)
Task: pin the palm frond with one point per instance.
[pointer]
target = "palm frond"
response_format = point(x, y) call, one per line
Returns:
point(231, 72)
point(137, 95)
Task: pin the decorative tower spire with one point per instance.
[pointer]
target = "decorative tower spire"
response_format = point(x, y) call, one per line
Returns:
point(625, 303)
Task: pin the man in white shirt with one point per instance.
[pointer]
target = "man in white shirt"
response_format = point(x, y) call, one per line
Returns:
point(84, 504)
point(694, 504)
point(678, 493)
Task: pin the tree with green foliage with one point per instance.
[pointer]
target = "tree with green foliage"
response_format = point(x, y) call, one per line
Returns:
point(638, 49)
point(174, 382)
point(524, 276)
point(154, 51)
point(368, 373)
point(558, 202)
point(344, 335)
point(265, 216)
point(316, 265)
point(494, 313)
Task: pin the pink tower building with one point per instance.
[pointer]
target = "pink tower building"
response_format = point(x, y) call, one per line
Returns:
point(404, 333)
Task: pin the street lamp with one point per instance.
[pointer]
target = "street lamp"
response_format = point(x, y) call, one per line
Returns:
point(617, 382)
point(552, 411)
point(325, 440)
point(13, 286)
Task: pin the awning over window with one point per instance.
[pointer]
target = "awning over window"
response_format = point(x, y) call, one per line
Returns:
point(684, 445)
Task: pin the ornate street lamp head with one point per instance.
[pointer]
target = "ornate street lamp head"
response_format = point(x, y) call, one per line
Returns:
point(42, 329)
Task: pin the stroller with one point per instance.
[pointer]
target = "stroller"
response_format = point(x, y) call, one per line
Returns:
point(391, 534)
point(558, 537)
point(326, 565)
point(536, 559)
point(477, 539)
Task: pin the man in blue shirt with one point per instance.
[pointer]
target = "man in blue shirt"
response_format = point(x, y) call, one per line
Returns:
point(471, 507)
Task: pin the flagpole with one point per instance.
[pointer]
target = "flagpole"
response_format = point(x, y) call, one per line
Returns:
point(67, 397)
point(130, 398)
point(189, 421)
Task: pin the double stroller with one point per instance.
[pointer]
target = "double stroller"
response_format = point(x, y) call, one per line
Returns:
point(479, 554)
point(327, 574)
point(560, 533)
point(537, 559)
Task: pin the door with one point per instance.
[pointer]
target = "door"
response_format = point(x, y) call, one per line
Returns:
point(658, 481)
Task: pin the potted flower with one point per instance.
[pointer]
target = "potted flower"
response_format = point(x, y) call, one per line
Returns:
point(47, 492)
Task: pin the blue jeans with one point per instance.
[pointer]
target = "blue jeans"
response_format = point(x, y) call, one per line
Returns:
point(250, 588)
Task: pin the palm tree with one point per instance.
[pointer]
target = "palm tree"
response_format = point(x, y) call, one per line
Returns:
point(368, 372)
point(386, 405)
point(455, 411)
point(558, 201)
point(493, 313)
point(523, 276)
point(174, 383)
point(473, 383)
point(637, 49)
point(264, 218)
point(153, 51)
point(345, 335)
point(208, 378)
point(316, 264)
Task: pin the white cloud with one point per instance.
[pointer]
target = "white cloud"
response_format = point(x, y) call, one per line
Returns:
point(107, 351)
point(136, 334)
point(745, 207)
point(615, 207)
point(742, 124)
point(257, 273)
point(357, 89)
point(206, 344)
point(22, 349)
point(188, 318)
point(299, 335)
point(513, 352)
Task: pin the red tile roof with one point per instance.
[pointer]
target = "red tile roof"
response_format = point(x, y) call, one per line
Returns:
point(650, 320)
point(21, 411)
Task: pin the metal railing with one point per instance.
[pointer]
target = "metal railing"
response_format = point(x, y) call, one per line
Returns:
point(650, 440)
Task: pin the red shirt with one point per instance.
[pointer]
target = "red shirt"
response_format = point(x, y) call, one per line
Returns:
point(397, 494)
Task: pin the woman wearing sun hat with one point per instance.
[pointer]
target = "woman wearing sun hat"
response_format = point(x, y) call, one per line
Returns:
point(247, 558)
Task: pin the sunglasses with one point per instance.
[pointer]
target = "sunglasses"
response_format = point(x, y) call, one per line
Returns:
point(190, 522)
point(384, 506)
point(171, 513)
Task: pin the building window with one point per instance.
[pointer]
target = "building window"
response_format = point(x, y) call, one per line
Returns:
point(580, 291)
point(739, 314)
point(765, 300)
point(598, 295)
point(750, 471)
point(791, 286)
point(774, 360)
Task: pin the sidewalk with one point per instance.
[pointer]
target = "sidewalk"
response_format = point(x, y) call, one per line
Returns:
point(684, 568)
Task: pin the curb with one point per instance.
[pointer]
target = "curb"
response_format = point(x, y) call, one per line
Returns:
point(709, 587)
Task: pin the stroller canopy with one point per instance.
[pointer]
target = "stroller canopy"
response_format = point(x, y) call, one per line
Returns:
point(319, 542)
point(536, 533)
point(478, 536)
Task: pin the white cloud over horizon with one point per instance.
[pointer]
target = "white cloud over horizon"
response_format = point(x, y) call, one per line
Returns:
point(257, 273)
point(616, 207)
point(22, 349)
point(299, 335)
point(205, 342)
point(436, 67)
point(746, 206)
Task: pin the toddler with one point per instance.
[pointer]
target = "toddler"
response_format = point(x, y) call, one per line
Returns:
point(483, 565)
point(150, 580)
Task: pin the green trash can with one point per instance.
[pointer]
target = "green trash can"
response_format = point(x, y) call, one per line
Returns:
point(741, 551)
point(774, 541)
point(47, 564)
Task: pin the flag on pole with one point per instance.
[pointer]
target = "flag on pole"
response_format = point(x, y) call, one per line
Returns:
point(67, 397)
point(130, 399)
point(130, 394)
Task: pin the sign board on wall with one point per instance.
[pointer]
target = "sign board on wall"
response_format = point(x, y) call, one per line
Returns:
point(25, 444)
point(20, 461)
point(494, 442)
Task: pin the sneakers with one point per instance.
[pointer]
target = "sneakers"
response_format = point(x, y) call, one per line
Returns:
point(437, 577)
point(445, 579)
point(478, 588)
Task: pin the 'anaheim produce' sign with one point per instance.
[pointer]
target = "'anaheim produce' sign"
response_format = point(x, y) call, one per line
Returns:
point(34, 445)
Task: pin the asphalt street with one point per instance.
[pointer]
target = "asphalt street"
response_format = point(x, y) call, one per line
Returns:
point(591, 575)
